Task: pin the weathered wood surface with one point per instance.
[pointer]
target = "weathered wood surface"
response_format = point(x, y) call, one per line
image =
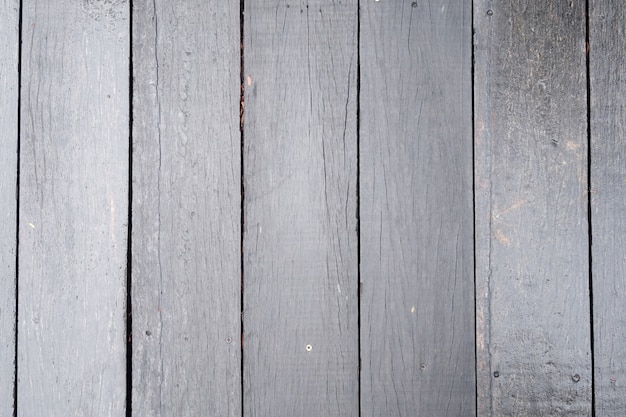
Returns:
point(533, 333)
point(417, 303)
point(300, 242)
point(73, 208)
point(9, 87)
point(607, 26)
point(186, 216)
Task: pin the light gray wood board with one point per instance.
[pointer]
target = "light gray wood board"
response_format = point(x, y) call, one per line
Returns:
point(300, 242)
point(608, 203)
point(532, 266)
point(73, 208)
point(417, 265)
point(9, 88)
point(186, 209)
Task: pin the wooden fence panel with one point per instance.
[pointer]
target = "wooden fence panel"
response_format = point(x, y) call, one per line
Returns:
point(608, 203)
point(417, 303)
point(300, 226)
point(532, 247)
point(73, 208)
point(186, 231)
point(9, 87)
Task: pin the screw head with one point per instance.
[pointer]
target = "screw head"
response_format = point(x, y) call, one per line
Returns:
point(309, 348)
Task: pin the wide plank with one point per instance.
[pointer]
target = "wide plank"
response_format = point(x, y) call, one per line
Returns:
point(9, 90)
point(73, 208)
point(300, 226)
point(532, 246)
point(186, 209)
point(607, 24)
point(417, 263)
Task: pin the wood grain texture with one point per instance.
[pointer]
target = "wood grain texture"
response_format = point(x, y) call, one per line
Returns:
point(417, 303)
point(9, 87)
point(186, 212)
point(533, 335)
point(300, 242)
point(608, 203)
point(73, 208)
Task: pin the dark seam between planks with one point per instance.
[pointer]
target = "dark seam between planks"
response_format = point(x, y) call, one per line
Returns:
point(358, 197)
point(17, 200)
point(473, 110)
point(129, 305)
point(242, 191)
point(589, 220)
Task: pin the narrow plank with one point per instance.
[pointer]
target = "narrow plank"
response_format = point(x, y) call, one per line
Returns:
point(300, 238)
point(73, 208)
point(607, 26)
point(417, 303)
point(533, 332)
point(186, 209)
point(9, 87)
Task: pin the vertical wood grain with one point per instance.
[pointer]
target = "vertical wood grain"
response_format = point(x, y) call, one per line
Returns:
point(532, 246)
point(73, 208)
point(300, 237)
point(9, 87)
point(608, 203)
point(417, 305)
point(186, 231)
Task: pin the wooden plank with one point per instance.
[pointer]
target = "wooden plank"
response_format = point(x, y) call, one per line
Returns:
point(186, 232)
point(532, 247)
point(300, 238)
point(607, 24)
point(9, 88)
point(73, 208)
point(417, 303)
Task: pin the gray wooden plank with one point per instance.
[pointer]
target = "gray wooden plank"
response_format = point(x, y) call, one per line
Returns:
point(9, 87)
point(186, 209)
point(417, 264)
point(607, 24)
point(300, 238)
point(73, 208)
point(533, 333)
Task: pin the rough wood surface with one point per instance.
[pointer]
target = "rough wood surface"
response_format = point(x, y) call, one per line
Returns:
point(9, 43)
point(608, 203)
point(73, 208)
point(417, 303)
point(186, 233)
point(533, 334)
point(300, 257)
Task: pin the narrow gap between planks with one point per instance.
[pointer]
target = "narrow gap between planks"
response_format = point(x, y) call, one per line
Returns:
point(358, 196)
point(242, 189)
point(473, 69)
point(589, 220)
point(129, 258)
point(17, 201)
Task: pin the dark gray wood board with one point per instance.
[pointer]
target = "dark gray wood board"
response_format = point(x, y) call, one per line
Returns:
point(9, 88)
point(532, 246)
point(607, 24)
point(417, 264)
point(73, 208)
point(186, 209)
point(300, 226)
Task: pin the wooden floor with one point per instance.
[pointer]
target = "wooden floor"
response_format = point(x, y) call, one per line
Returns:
point(312, 208)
